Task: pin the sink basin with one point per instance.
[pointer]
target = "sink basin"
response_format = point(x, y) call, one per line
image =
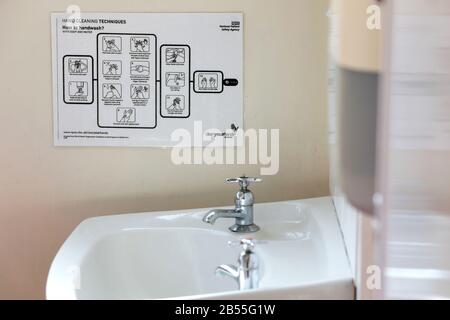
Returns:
point(173, 254)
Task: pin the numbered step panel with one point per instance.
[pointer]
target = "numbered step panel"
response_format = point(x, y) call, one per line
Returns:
point(78, 79)
point(209, 81)
point(126, 80)
point(175, 64)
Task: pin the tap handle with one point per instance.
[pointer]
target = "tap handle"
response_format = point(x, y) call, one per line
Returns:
point(247, 244)
point(248, 259)
point(243, 181)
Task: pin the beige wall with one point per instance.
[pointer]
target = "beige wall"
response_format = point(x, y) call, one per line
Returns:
point(46, 191)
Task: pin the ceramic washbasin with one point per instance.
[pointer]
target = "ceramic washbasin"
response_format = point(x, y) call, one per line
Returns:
point(173, 254)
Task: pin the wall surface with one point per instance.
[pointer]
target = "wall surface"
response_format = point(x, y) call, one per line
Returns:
point(46, 191)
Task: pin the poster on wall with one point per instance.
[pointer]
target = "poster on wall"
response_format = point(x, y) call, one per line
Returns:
point(142, 79)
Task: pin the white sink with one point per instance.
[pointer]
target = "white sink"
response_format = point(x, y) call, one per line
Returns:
point(173, 254)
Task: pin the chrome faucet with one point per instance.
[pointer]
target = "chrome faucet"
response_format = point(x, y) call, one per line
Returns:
point(246, 273)
point(243, 211)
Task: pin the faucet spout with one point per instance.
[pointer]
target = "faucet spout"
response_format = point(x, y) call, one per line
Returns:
point(227, 270)
point(212, 215)
point(246, 272)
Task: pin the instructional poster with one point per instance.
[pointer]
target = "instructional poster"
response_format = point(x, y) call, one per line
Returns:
point(133, 79)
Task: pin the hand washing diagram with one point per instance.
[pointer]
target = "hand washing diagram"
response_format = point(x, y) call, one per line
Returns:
point(211, 82)
point(175, 104)
point(134, 69)
point(175, 55)
point(140, 91)
point(175, 88)
point(77, 78)
point(125, 115)
point(208, 81)
point(78, 88)
point(139, 68)
point(78, 66)
point(111, 79)
point(140, 44)
point(112, 44)
point(174, 84)
point(175, 79)
point(112, 67)
point(112, 91)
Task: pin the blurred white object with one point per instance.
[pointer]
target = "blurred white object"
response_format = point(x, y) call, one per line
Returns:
point(413, 174)
point(355, 50)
